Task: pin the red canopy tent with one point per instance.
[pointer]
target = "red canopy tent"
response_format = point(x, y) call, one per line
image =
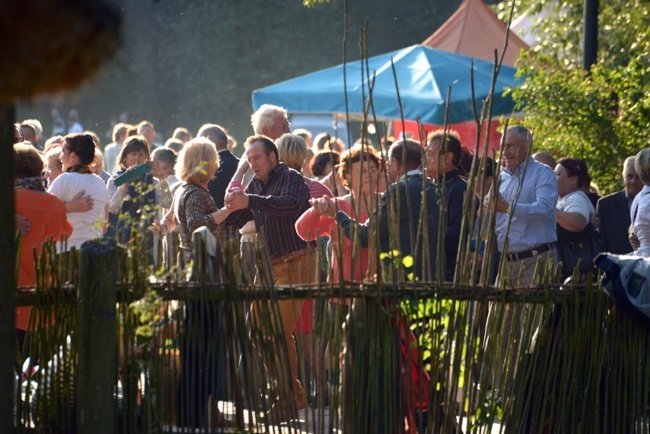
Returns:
point(475, 31)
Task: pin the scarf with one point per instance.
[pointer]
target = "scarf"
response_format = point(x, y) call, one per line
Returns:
point(80, 169)
point(33, 183)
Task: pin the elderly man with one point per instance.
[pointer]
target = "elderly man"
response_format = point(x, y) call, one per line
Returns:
point(614, 212)
point(227, 162)
point(443, 167)
point(274, 200)
point(31, 130)
point(525, 220)
point(271, 121)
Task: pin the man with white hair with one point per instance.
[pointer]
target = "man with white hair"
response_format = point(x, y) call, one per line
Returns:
point(271, 121)
point(227, 162)
point(525, 219)
point(31, 130)
point(614, 212)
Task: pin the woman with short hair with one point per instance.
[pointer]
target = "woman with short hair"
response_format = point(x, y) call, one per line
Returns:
point(129, 199)
point(53, 166)
point(45, 212)
point(193, 204)
point(193, 208)
point(77, 153)
point(576, 235)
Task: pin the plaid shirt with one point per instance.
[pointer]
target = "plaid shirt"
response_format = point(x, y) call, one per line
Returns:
point(275, 207)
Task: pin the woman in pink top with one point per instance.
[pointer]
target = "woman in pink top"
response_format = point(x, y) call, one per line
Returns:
point(359, 169)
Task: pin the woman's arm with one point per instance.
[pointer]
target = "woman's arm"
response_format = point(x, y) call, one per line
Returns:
point(311, 224)
point(221, 215)
point(116, 196)
point(571, 221)
point(79, 203)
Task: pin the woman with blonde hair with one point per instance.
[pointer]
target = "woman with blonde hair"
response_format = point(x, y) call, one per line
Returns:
point(194, 208)
point(193, 204)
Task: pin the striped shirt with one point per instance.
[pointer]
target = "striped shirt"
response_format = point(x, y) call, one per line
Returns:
point(275, 207)
point(531, 191)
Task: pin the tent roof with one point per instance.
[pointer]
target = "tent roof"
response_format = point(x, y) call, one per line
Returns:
point(475, 31)
point(424, 76)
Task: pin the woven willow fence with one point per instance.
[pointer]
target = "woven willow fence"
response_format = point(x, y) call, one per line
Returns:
point(121, 351)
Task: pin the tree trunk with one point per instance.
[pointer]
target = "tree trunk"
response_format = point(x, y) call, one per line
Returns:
point(7, 270)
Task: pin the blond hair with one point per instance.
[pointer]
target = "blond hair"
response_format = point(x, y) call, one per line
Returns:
point(197, 161)
point(292, 150)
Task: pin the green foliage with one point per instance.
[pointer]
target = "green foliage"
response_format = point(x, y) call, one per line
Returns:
point(602, 116)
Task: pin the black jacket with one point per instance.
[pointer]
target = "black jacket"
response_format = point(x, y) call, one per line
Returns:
point(614, 214)
point(227, 168)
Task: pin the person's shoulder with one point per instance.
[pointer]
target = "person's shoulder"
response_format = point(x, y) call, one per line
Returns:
point(541, 168)
point(53, 202)
point(457, 184)
point(612, 198)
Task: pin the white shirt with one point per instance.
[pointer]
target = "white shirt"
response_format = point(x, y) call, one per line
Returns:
point(75, 128)
point(110, 157)
point(89, 224)
point(640, 218)
point(576, 201)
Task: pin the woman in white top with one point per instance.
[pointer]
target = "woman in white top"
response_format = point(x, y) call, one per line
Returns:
point(573, 214)
point(640, 210)
point(78, 152)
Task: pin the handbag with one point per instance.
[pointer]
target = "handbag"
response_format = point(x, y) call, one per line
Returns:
point(577, 249)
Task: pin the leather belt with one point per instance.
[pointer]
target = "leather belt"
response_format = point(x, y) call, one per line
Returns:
point(532, 252)
point(290, 256)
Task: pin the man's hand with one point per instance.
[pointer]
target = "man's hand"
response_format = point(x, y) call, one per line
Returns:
point(634, 241)
point(236, 200)
point(80, 203)
point(324, 206)
point(502, 204)
point(22, 224)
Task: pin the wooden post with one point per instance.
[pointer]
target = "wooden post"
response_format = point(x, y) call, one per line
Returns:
point(7, 271)
point(97, 337)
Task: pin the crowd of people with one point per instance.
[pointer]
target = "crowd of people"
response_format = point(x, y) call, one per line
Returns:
point(303, 196)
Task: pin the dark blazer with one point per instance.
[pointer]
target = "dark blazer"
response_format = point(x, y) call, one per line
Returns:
point(394, 218)
point(227, 167)
point(455, 188)
point(614, 214)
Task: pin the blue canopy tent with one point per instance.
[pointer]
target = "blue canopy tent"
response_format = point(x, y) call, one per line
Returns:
point(424, 76)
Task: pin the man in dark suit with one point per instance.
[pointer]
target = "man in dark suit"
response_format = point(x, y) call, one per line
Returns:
point(397, 217)
point(614, 212)
point(227, 162)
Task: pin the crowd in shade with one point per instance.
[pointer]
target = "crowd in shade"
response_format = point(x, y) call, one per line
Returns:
point(302, 195)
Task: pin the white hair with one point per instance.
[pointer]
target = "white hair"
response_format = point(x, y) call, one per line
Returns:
point(36, 126)
point(265, 117)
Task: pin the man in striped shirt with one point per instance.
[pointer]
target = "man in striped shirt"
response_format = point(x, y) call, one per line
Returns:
point(274, 199)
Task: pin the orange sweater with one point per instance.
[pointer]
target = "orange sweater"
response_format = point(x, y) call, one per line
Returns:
point(47, 215)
